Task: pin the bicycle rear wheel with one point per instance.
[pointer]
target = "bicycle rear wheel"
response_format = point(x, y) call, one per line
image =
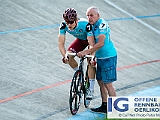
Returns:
point(75, 92)
point(86, 100)
point(86, 89)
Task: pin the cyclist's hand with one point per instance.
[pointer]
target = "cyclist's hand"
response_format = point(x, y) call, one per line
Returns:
point(93, 63)
point(81, 54)
point(64, 60)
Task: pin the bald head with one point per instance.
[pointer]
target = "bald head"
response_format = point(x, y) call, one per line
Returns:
point(92, 14)
point(95, 9)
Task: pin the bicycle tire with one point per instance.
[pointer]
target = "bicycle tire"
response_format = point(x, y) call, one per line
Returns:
point(75, 92)
point(86, 89)
point(86, 101)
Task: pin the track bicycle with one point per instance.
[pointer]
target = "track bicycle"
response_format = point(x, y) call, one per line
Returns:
point(79, 86)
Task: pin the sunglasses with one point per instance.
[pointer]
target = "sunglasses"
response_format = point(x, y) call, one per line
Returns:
point(69, 22)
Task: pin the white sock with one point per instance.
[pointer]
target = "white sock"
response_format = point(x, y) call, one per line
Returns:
point(76, 68)
point(91, 81)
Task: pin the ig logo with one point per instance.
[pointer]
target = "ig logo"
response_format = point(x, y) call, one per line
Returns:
point(116, 104)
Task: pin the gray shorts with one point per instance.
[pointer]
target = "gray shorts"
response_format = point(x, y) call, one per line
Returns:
point(106, 69)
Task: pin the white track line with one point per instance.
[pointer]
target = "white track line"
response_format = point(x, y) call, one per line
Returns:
point(147, 25)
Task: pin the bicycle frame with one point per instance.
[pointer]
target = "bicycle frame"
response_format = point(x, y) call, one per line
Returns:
point(81, 64)
point(78, 86)
point(81, 59)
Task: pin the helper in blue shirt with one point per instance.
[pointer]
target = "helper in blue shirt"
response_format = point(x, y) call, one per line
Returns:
point(108, 50)
point(81, 29)
point(106, 57)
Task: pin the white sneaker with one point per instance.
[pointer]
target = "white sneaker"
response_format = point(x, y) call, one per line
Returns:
point(89, 94)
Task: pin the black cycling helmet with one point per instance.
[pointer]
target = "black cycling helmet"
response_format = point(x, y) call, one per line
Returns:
point(70, 14)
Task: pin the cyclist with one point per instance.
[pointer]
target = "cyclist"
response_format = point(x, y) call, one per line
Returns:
point(106, 57)
point(82, 31)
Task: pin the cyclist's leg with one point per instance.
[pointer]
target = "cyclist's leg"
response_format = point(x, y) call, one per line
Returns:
point(91, 74)
point(80, 45)
point(72, 62)
point(76, 46)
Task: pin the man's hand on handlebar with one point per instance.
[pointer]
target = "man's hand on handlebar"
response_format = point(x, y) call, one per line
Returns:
point(92, 62)
point(81, 54)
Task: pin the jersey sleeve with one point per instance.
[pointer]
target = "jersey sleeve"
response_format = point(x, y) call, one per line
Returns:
point(104, 28)
point(62, 28)
point(89, 29)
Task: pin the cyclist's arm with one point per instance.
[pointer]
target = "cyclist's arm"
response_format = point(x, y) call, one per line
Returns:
point(61, 44)
point(61, 38)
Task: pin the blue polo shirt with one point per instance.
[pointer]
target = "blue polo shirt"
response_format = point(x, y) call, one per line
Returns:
point(108, 50)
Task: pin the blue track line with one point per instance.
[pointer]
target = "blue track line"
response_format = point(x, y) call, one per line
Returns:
point(29, 29)
point(131, 18)
point(57, 25)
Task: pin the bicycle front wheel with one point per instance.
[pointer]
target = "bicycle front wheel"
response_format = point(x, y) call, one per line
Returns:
point(75, 92)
